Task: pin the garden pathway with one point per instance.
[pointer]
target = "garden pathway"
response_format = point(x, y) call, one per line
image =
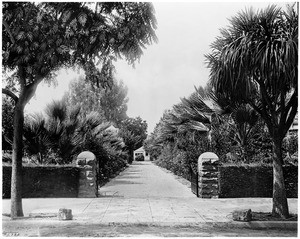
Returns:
point(145, 180)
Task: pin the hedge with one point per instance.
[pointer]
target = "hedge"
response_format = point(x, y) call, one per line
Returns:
point(254, 181)
point(41, 181)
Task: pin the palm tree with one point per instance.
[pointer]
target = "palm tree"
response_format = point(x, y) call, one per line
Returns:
point(255, 61)
point(198, 112)
point(53, 133)
point(62, 124)
point(36, 138)
point(201, 110)
point(105, 144)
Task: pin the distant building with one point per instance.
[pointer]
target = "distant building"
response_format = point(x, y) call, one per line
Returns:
point(141, 151)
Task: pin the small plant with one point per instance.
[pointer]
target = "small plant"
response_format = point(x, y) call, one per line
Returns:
point(140, 158)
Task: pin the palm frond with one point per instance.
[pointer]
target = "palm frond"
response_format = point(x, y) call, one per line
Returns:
point(57, 109)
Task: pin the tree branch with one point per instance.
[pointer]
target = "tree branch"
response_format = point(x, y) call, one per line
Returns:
point(8, 31)
point(266, 102)
point(255, 107)
point(265, 96)
point(293, 100)
point(31, 89)
point(10, 94)
point(264, 114)
point(22, 79)
point(282, 107)
point(291, 117)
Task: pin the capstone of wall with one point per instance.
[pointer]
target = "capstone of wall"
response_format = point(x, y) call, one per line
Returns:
point(88, 186)
point(208, 175)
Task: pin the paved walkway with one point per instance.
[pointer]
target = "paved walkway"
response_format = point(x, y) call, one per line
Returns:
point(145, 180)
point(144, 193)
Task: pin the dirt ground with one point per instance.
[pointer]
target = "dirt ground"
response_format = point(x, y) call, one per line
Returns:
point(50, 228)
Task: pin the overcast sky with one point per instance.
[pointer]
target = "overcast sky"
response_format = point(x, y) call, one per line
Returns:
point(170, 69)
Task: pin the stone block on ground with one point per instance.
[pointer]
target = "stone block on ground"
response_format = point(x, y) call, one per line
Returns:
point(242, 215)
point(65, 214)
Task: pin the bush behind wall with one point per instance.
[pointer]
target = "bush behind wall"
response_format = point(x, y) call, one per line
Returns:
point(42, 181)
point(254, 181)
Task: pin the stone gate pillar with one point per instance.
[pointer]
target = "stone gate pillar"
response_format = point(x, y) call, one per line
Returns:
point(88, 186)
point(208, 175)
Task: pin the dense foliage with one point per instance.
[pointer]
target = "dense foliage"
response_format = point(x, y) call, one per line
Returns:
point(59, 135)
point(240, 181)
point(78, 122)
point(111, 107)
point(7, 118)
point(237, 135)
point(110, 103)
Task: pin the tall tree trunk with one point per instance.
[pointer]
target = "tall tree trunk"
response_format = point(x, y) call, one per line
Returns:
point(280, 204)
point(16, 174)
point(26, 94)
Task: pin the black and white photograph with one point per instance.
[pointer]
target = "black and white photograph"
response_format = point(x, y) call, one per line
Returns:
point(149, 119)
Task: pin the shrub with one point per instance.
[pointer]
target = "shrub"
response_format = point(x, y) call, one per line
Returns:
point(254, 180)
point(290, 144)
point(174, 160)
point(44, 181)
point(140, 158)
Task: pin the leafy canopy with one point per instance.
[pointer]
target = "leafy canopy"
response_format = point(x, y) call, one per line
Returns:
point(255, 61)
point(39, 38)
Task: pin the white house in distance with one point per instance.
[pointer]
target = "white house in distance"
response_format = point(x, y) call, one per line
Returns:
point(141, 151)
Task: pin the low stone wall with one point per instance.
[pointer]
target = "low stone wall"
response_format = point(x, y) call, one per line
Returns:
point(231, 181)
point(57, 181)
point(44, 181)
point(254, 181)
